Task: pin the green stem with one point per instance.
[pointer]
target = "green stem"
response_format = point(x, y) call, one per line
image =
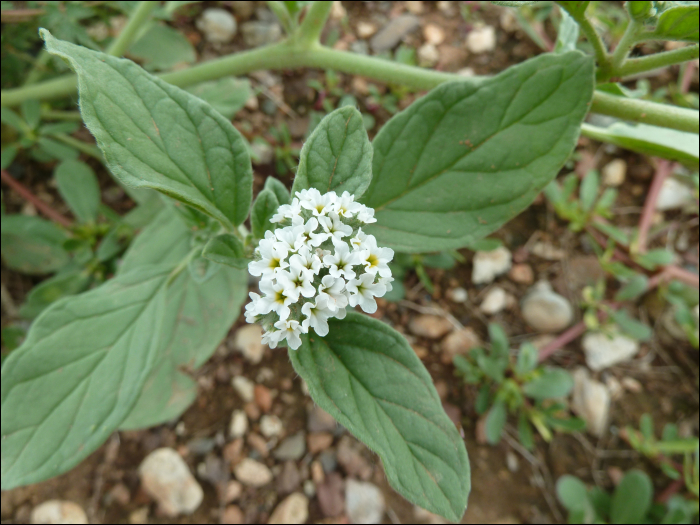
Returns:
point(601, 53)
point(627, 42)
point(646, 112)
point(282, 15)
point(309, 32)
point(39, 68)
point(658, 60)
point(139, 17)
point(89, 149)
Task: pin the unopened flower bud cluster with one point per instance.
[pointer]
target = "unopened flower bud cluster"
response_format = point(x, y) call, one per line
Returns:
point(315, 265)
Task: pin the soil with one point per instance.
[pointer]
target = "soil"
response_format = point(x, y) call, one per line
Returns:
point(509, 484)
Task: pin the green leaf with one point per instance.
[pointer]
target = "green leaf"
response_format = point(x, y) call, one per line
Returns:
point(635, 329)
point(196, 319)
point(32, 245)
point(163, 47)
point(575, 9)
point(649, 140)
point(632, 498)
point(495, 422)
point(525, 435)
point(500, 347)
point(77, 375)
point(12, 119)
point(567, 35)
point(59, 127)
point(202, 269)
point(678, 23)
point(279, 189)
point(528, 358)
point(78, 186)
point(31, 112)
point(8, 155)
point(589, 190)
point(226, 95)
point(368, 378)
point(572, 493)
point(640, 10)
point(485, 245)
point(444, 261)
point(57, 150)
point(337, 156)
point(264, 208)
point(553, 383)
point(53, 289)
point(226, 249)
point(652, 259)
point(454, 166)
point(514, 4)
point(613, 232)
point(633, 288)
point(158, 136)
point(165, 241)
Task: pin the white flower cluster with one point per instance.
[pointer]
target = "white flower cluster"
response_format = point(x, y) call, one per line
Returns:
point(318, 262)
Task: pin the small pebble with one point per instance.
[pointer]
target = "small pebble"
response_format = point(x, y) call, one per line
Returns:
point(338, 12)
point(488, 265)
point(167, 479)
point(292, 448)
point(603, 351)
point(415, 8)
point(271, 426)
point(252, 473)
point(546, 311)
point(495, 301)
point(248, 341)
point(547, 251)
point(591, 402)
point(365, 29)
point(244, 387)
point(392, 33)
point(319, 441)
point(481, 39)
point(294, 509)
point(430, 326)
point(674, 195)
point(257, 33)
point(239, 424)
point(219, 26)
point(233, 491)
point(458, 295)
point(614, 173)
point(263, 397)
point(321, 421)
point(522, 274)
point(428, 55)
point(364, 502)
point(512, 461)
point(460, 342)
point(58, 511)
point(433, 34)
point(232, 515)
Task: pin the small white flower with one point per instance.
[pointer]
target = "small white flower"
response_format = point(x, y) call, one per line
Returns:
point(318, 204)
point(287, 211)
point(335, 229)
point(366, 215)
point(359, 241)
point(376, 259)
point(304, 231)
point(332, 290)
point(386, 281)
point(272, 338)
point(288, 236)
point(346, 205)
point(273, 255)
point(291, 330)
point(363, 290)
point(274, 299)
point(317, 315)
point(295, 282)
point(306, 261)
point(251, 309)
point(341, 262)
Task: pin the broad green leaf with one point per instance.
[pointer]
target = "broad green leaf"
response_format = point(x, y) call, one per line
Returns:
point(337, 156)
point(165, 241)
point(632, 498)
point(485, 245)
point(56, 150)
point(571, 493)
point(640, 10)
point(226, 249)
point(527, 359)
point(553, 383)
point(31, 112)
point(32, 245)
point(654, 258)
point(202, 269)
point(279, 189)
point(495, 421)
point(114, 242)
point(53, 289)
point(635, 329)
point(613, 232)
point(158, 136)
point(589, 190)
point(649, 140)
point(264, 208)
point(12, 119)
point(163, 47)
point(78, 374)
point(567, 35)
point(368, 378)
point(633, 288)
point(8, 155)
point(196, 319)
point(454, 166)
point(678, 23)
point(575, 9)
point(78, 186)
point(59, 127)
point(500, 347)
point(226, 95)
point(566, 424)
point(494, 367)
point(525, 434)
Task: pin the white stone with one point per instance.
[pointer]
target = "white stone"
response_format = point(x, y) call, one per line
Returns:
point(58, 511)
point(248, 340)
point(546, 251)
point(294, 509)
point(219, 26)
point(244, 387)
point(674, 195)
point(495, 301)
point(338, 12)
point(603, 351)
point(365, 29)
point(428, 55)
point(257, 33)
point(416, 7)
point(591, 402)
point(614, 173)
point(262, 152)
point(271, 426)
point(458, 295)
point(252, 473)
point(364, 502)
point(546, 311)
point(481, 39)
point(239, 424)
point(466, 72)
point(488, 265)
point(167, 479)
point(433, 34)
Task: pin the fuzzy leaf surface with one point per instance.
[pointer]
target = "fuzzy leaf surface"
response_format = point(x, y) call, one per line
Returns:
point(367, 377)
point(78, 186)
point(32, 245)
point(156, 135)
point(467, 157)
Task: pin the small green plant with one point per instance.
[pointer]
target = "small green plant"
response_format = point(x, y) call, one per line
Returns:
point(630, 502)
point(518, 386)
point(403, 263)
point(286, 154)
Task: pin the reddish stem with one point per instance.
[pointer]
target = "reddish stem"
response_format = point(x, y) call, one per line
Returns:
point(687, 78)
point(674, 272)
point(40, 205)
point(670, 491)
point(663, 169)
point(562, 340)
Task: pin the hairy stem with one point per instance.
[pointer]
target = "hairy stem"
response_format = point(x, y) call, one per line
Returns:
point(40, 205)
point(309, 32)
point(138, 18)
point(601, 52)
point(627, 42)
point(657, 60)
